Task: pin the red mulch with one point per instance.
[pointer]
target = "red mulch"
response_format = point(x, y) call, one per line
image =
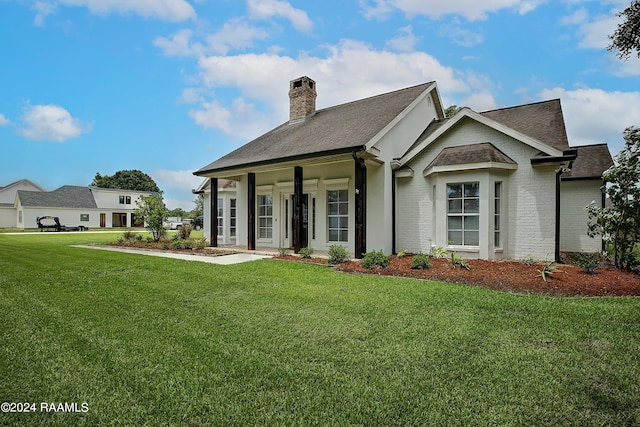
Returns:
point(510, 276)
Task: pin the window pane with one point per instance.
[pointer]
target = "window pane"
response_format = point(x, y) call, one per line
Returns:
point(455, 206)
point(496, 222)
point(455, 237)
point(334, 235)
point(471, 223)
point(472, 190)
point(344, 222)
point(471, 206)
point(344, 209)
point(471, 238)
point(454, 223)
point(332, 196)
point(496, 239)
point(454, 191)
point(344, 235)
point(334, 209)
point(498, 189)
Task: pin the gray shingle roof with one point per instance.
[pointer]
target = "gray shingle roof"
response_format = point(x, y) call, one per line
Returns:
point(542, 120)
point(67, 196)
point(473, 153)
point(339, 128)
point(591, 162)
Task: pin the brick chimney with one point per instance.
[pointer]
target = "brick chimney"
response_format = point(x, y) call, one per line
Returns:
point(302, 98)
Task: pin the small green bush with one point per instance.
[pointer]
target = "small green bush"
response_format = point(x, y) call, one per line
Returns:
point(200, 243)
point(588, 261)
point(456, 260)
point(401, 253)
point(338, 254)
point(420, 262)
point(548, 270)
point(177, 244)
point(375, 259)
point(529, 260)
point(129, 235)
point(438, 252)
point(185, 231)
point(284, 251)
point(139, 237)
point(306, 252)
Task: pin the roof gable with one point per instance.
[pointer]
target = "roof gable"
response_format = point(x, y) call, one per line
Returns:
point(522, 123)
point(341, 128)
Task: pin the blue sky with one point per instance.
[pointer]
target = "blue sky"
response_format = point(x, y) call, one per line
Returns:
point(168, 86)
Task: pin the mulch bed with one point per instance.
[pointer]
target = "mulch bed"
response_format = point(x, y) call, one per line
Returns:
point(510, 276)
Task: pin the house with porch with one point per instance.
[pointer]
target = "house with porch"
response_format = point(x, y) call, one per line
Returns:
point(391, 172)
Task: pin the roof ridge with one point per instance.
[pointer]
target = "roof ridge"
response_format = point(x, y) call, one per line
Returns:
point(520, 106)
point(368, 98)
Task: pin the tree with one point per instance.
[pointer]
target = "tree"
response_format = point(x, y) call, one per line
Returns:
point(619, 223)
point(154, 212)
point(626, 38)
point(451, 111)
point(126, 180)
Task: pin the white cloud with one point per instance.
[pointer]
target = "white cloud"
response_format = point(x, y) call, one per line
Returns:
point(3, 120)
point(167, 10)
point(405, 41)
point(175, 180)
point(350, 70)
point(265, 9)
point(42, 10)
point(594, 116)
point(236, 34)
point(459, 35)
point(470, 9)
point(50, 123)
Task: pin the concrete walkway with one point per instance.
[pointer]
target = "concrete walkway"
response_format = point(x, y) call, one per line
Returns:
point(220, 259)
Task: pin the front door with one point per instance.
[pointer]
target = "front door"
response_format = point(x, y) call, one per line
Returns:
point(288, 207)
point(103, 220)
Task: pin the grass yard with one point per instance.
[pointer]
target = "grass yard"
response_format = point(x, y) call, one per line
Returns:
point(153, 341)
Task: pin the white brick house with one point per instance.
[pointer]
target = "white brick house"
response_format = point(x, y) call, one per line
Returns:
point(391, 172)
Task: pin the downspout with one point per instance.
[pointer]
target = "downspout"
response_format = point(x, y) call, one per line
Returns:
point(360, 244)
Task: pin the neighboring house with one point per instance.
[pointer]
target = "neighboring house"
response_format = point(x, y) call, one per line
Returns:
point(391, 172)
point(8, 200)
point(90, 207)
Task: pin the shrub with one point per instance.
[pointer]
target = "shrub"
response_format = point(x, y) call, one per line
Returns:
point(588, 261)
point(139, 237)
point(149, 239)
point(375, 259)
point(456, 260)
point(187, 244)
point(547, 270)
point(401, 253)
point(200, 243)
point(129, 235)
point(338, 254)
point(529, 260)
point(306, 252)
point(420, 262)
point(177, 244)
point(185, 231)
point(284, 251)
point(438, 252)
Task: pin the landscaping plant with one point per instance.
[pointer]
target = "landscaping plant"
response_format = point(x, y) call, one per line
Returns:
point(338, 254)
point(375, 259)
point(420, 262)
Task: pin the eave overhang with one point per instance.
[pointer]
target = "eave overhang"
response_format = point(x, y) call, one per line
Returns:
point(468, 167)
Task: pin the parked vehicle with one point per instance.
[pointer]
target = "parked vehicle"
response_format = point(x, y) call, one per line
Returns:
point(173, 223)
point(198, 223)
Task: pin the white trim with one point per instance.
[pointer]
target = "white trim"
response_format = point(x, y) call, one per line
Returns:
point(338, 183)
point(467, 112)
point(469, 166)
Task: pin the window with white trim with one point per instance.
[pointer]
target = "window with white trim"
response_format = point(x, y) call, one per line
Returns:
point(265, 216)
point(232, 218)
point(463, 214)
point(338, 215)
point(220, 217)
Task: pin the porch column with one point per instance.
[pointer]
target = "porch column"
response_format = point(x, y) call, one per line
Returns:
point(297, 208)
point(213, 212)
point(360, 206)
point(251, 211)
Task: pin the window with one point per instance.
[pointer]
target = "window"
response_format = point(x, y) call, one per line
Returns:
point(125, 200)
point(121, 200)
point(265, 216)
point(84, 217)
point(232, 218)
point(463, 214)
point(338, 215)
point(497, 209)
point(220, 217)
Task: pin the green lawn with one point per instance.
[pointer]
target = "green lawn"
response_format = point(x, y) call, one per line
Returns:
point(153, 341)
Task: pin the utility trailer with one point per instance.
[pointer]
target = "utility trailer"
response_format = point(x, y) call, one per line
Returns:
point(52, 223)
